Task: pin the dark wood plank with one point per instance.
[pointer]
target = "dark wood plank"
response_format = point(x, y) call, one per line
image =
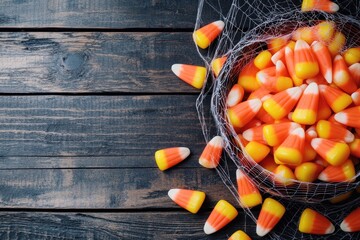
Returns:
point(94, 62)
point(147, 225)
point(106, 188)
point(97, 125)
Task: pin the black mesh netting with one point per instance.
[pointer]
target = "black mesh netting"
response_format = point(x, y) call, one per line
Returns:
point(248, 25)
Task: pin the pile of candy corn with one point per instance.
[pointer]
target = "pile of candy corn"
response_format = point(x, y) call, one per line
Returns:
point(295, 109)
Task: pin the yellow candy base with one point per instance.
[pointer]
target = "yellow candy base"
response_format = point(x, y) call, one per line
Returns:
point(201, 40)
point(304, 116)
point(306, 70)
point(251, 200)
point(289, 155)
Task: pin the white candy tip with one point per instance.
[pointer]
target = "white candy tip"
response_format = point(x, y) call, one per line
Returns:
point(334, 7)
point(355, 96)
point(176, 69)
point(294, 92)
point(255, 104)
point(328, 76)
point(323, 177)
point(345, 227)
point(300, 44)
point(341, 118)
point(239, 174)
point(208, 229)
point(260, 231)
point(217, 141)
point(298, 132)
point(173, 192)
point(184, 152)
point(349, 137)
point(312, 88)
point(330, 230)
point(315, 143)
point(220, 24)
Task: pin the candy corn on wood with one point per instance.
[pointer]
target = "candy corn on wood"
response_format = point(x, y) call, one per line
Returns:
point(191, 200)
point(193, 75)
point(210, 157)
point(249, 194)
point(314, 223)
point(221, 215)
point(271, 213)
point(352, 222)
point(204, 36)
point(169, 157)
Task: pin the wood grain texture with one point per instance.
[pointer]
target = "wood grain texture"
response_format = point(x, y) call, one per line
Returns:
point(139, 188)
point(48, 62)
point(109, 226)
point(97, 125)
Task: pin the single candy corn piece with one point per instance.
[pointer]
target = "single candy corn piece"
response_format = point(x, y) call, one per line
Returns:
point(355, 96)
point(284, 175)
point(349, 117)
point(276, 44)
point(249, 194)
point(191, 200)
point(352, 55)
point(319, 5)
point(342, 173)
point(210, 157)
point(271, 213)
point(239, 235)
point(281, 70)
point(307, 107)
point(275, 134)
point(291, 151)
point(306, 65)
point(217, 64)
point(169, 157)
point(222, 214)
point(263, 60)
point(193, 75)
point(352, 222)
point(335, 98)
point(289, 60)
point(204, 36)
point(255, 134)
point(324, 59)
point(278, 56)
point(337, 44)
point(242, 113)
point(269, 164)
point(335, 153)
point(314, 223)
point(235, 95)
point(280, 104)
point(341, 75)
point(259, 93)
point(325, 31)
point(247, 77)
point(276, 84)
point(257, 151)
point(306, 34)
point(355, 73)
point(307, 172)
point(324, 110)
point(355, 148)
point(329, 130)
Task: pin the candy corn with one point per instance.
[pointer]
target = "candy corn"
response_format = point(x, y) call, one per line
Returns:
point(193, 75)
point(191, 200)
point(323, 57)
point(349, 117)
point(319, 5)
point(249, 195)
point(342, 173)
point(292, 149)
point(210, 157)
point(352, 56)
point(204, 36)
point(275, 134)
point(217, 64)
point(263, 60)
point(341, 75)
point(276, 44)
point(355, 148)
point(269, 164)
point(324, 110)
point(325, 31)
point(306, 65)
point(289, 57)
point(235, 95)
point(307, 107)
point(355, 96)
point(257, 151)
point(329, 130)
point(242, 113)
point(314, 223)
point(239, 235)
point(222, 214)
point(279, 105)
point(283, 175)
point(308, 171)
point(169, 157)
point(270, 214)
point(255, 134)
point(247, 77)
point(304, 33)
point(335, 153)
point(337, 43)
point(355, 73)
point(335, 98)
point(259, 93)
point(352, 222)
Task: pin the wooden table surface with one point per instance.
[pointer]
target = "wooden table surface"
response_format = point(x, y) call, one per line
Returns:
point(87, 96)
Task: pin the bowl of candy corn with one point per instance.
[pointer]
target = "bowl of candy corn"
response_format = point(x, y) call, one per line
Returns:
point(288, 105)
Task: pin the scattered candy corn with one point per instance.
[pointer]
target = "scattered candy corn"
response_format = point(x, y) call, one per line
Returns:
point(204, 36)
point(352, 222)
point(191, 200)
point(314, 223)
point(249, 195)
point(193, 75)
point(210, 157)
point(342, 173)
point(217, 64)
point(319, 5)
point(169, 157)
point(270, 214)
point(222, 214)
point(239, 235)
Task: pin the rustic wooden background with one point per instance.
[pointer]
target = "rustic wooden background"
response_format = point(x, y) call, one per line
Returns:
point(86, 97)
